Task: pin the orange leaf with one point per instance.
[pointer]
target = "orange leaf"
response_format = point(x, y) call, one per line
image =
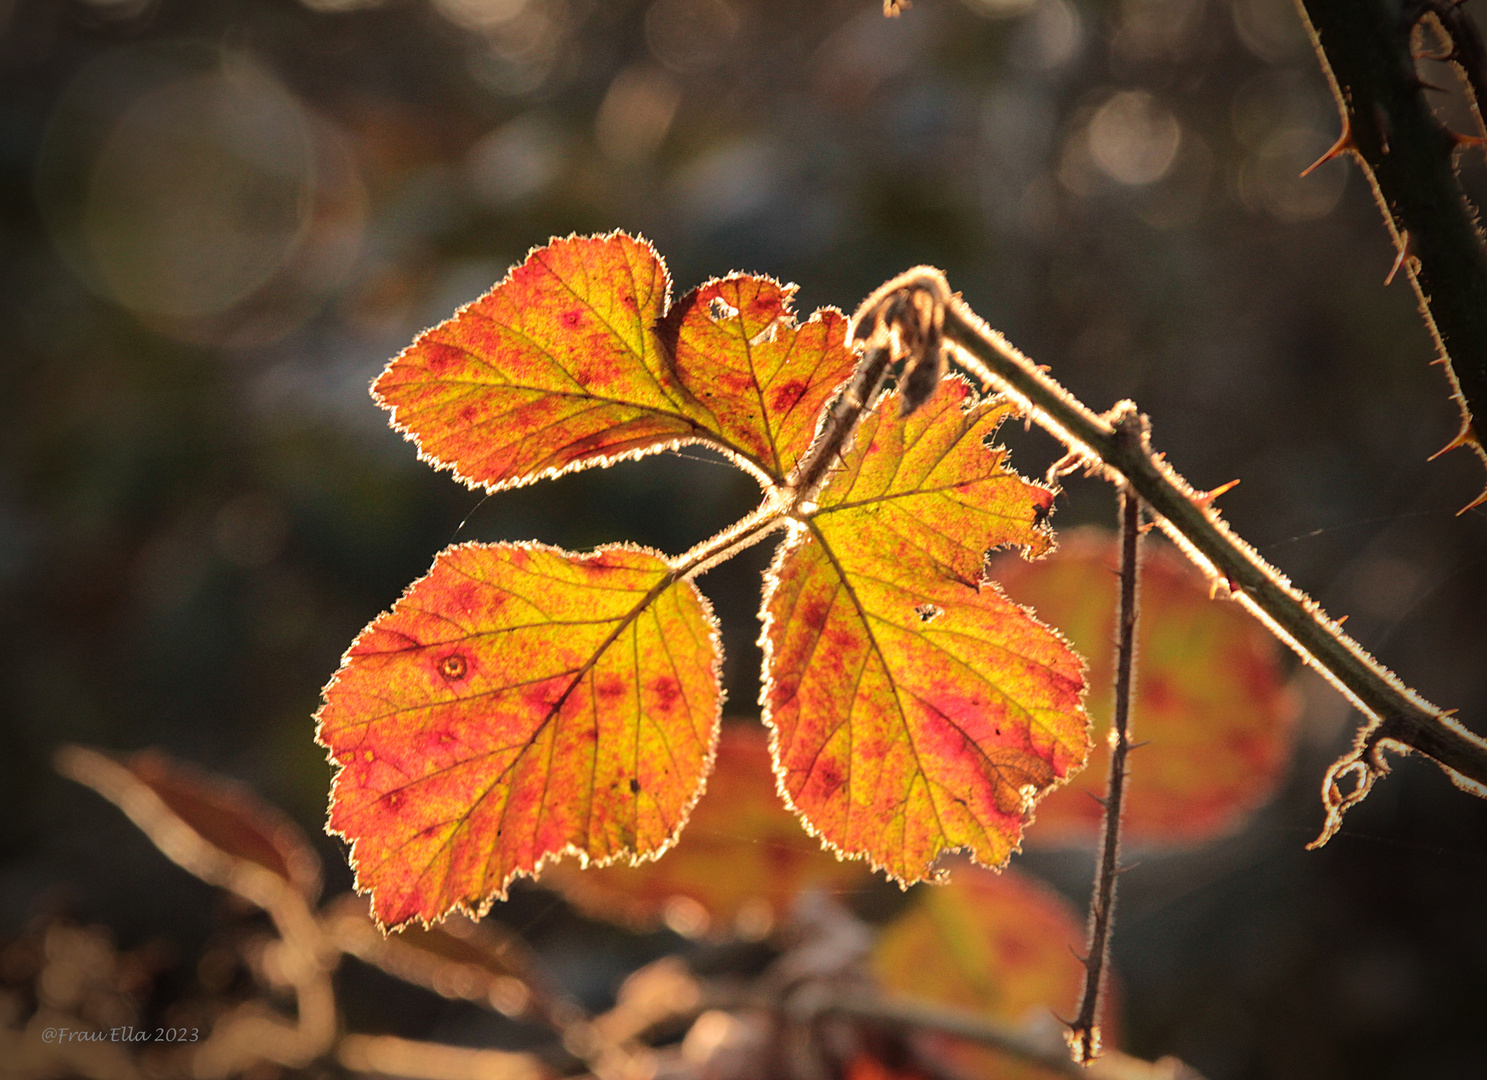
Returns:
point(763, 380)
point(574, 361)
point(914, 712)
point(1211, 705)
point(996, 944)
point(517, 704)
point(742, 860)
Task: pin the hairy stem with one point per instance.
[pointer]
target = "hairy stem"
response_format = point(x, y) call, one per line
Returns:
point(1397, 716)
point(1084, 1031)
point(1407, 156)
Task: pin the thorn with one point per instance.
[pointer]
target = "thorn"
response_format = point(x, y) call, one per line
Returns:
point(1234, 589)
point(1146, 527)
point(1097, 799)
point(1478, 501)
point(1465, 437)
point(1459, 140)
point(1128, 867)
point(1138, 745)
point(1448, 712)
point(1340, 619)
point(1205, 498)
point(1404, 249)
point(1082, 959)
point(1343, 144)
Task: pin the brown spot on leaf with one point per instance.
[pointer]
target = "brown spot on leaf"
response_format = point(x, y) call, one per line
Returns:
point(453, 666)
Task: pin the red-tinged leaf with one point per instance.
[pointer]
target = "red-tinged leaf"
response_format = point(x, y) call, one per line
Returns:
point(1211, 707)
point(197, 818)
point(763, 379)
point(561, 366)
point(914, 712)
point(517, 704)
point(741, 862)
point(996, 944)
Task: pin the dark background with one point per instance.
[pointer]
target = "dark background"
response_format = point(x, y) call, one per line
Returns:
point(220, 217)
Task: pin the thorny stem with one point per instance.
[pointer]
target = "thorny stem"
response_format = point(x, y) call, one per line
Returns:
point(1398, 718)
point(1407, 156)
point(1084, 1031)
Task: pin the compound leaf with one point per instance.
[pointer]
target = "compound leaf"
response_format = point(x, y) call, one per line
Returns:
point(915, 710)
point(742, 861)
point(1211, 709)
point(516, 704)
point(574, 361)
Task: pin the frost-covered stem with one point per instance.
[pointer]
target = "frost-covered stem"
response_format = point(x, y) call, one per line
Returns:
point(1407, 157)
point(1084, 1030)
point(1397, 716)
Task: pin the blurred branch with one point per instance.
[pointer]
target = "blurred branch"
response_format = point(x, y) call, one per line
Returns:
point(305, 957)
point(1408, 158)
point(387, 1055)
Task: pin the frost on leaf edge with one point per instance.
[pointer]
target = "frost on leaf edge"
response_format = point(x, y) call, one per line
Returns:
point(934, 872)
point(700, 437)
point(483, 905)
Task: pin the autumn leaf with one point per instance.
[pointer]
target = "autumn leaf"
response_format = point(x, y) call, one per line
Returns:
point(1000, 945)
point(574, 361)
point(741, 862)
point(915, 710)
point(516, 704)
point(1211, 712)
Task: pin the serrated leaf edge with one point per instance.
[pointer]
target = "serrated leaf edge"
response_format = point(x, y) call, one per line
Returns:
point(483, 905)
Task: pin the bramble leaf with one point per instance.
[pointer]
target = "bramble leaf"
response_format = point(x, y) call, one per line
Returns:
point(741, 862)
point(516, 704)
point(1211, 711)
point(996, 944)
point(574, 361)
point(915, 710)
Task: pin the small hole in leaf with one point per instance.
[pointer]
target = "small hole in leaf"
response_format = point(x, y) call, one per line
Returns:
point(767, 334)
point(453, 666)
point(928, 612)
point(718, 308)
point(634, 786)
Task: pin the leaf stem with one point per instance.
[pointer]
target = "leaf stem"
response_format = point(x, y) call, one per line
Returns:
point(1084, 1031)
point(1398, 718)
